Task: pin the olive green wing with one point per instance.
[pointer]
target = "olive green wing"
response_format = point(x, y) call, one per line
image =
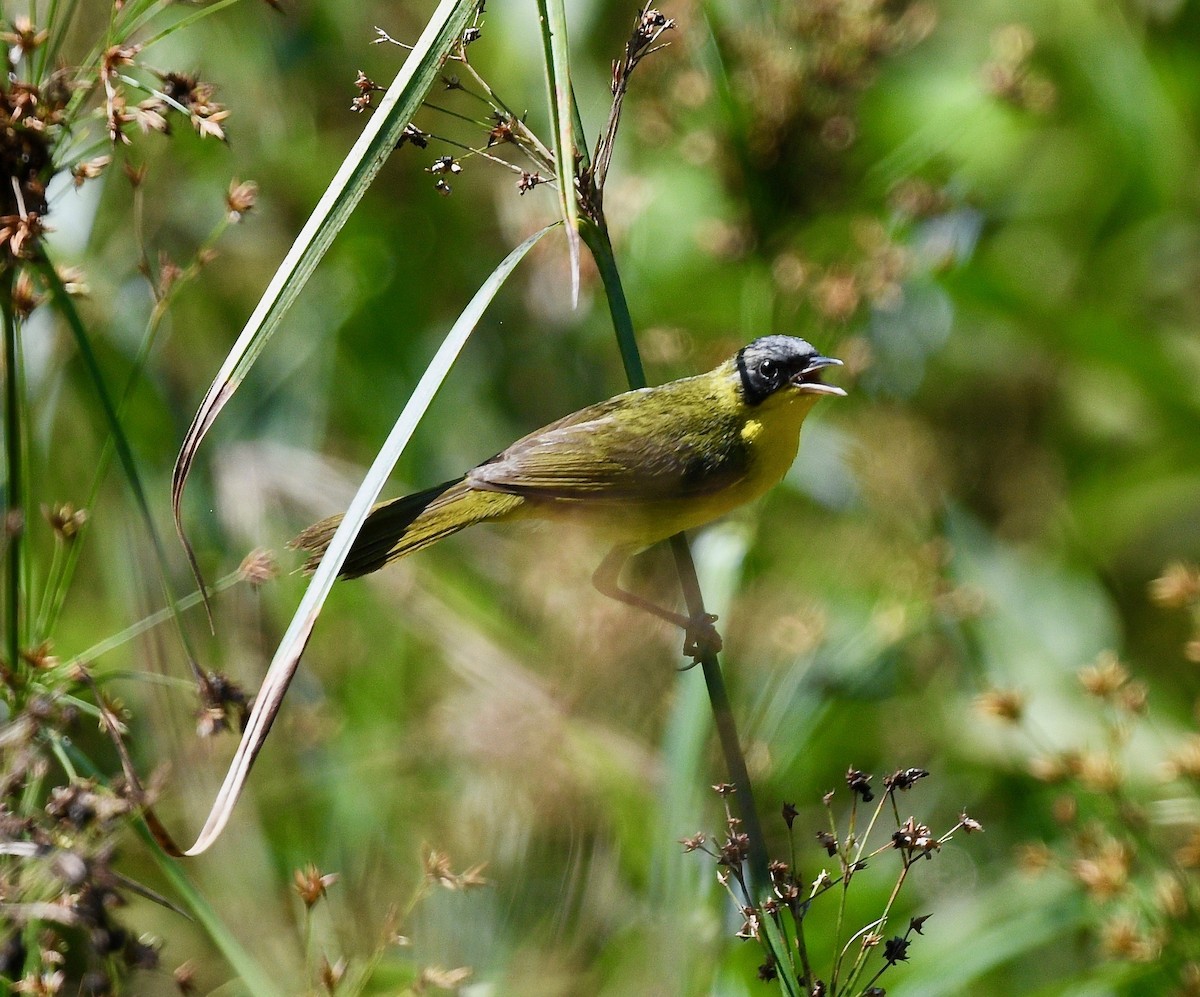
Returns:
point(643, 445)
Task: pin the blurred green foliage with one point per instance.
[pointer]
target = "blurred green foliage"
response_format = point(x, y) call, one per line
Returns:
point(988, 209)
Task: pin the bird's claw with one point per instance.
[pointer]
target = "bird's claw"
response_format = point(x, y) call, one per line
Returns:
point(700, 638)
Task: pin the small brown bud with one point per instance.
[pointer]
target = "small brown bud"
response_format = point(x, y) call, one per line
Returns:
point(89, 169)
point(311, 884)
point(135, 174)
point(904, 779)
point(25, 297)
point(65, 520)
point(258, 567)
point(442, 979)
point(1034, 858)
point(1184, 761)
point(828, 841)
point(1104, 872)
point(1121, 937)
point(185, 979)
point(331, 975)
point(970, 824)
point(837, 295)
point(240, 198)
point(860, 783)
point(438, 870)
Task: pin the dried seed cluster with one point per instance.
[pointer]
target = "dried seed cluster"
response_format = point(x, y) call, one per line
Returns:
point(496, 126)
point(792, 899)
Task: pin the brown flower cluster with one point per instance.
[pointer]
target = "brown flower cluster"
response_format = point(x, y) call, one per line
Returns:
point(500, 127)
point(313, 886)
point(31, 120)
point(178, 93)
point(60, 875)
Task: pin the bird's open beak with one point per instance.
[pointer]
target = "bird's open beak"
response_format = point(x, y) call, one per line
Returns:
point(809, 380)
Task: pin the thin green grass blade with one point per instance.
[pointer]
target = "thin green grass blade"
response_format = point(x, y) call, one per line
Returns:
point(157, 618)
point(403, 98)
point(186, 22)
point(553, 18)
point(778, 948)
point(66, 308)
point(287, 656)
point(14, 498)
point(581, 149)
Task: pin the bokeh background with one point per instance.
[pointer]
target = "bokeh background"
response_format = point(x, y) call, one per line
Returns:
point(988, 209)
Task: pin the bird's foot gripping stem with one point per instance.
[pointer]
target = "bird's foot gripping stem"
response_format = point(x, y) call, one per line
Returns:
point(700, 638)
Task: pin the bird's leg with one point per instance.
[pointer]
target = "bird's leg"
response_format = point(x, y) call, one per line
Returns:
point(700, 637)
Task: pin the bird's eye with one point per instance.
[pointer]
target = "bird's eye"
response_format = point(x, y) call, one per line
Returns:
point(768, 369)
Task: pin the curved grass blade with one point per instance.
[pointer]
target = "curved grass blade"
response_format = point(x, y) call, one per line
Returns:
point(287, 656)
point(553, 18)
point(419, 72)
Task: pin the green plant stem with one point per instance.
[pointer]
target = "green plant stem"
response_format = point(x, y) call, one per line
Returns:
point(718, 696)
point(860, 960)
point(848, 864)
point(14, 524)
point(185, 22)
point(155, 619)
point(596, 238)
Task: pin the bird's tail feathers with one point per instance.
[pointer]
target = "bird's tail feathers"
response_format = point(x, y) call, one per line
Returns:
point(404, 525)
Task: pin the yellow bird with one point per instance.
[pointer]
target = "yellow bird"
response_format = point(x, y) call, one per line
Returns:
point(639, 468)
